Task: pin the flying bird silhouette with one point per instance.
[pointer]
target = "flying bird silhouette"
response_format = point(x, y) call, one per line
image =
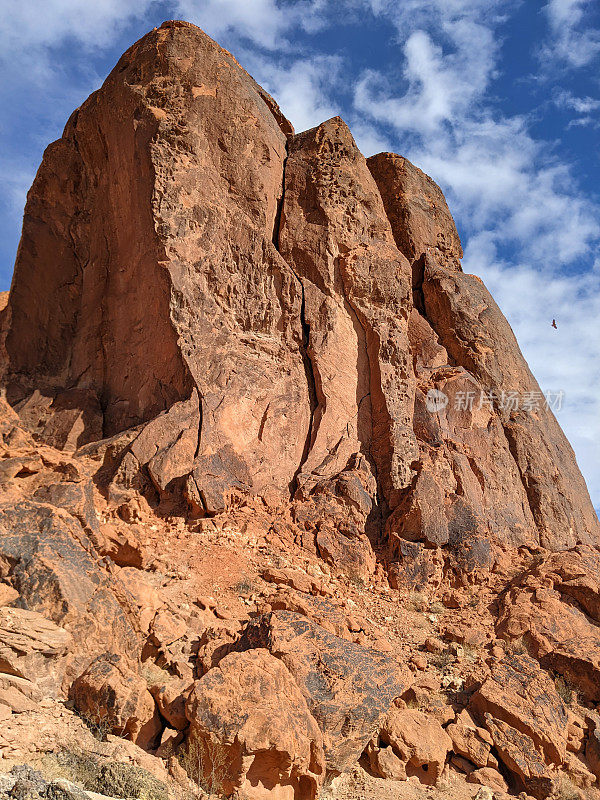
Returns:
point(554, 325)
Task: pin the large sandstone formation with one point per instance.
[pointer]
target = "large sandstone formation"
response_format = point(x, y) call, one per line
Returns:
point(248, 294)
point(234, 528)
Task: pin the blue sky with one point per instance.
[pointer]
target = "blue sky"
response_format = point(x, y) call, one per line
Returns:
point(499, 101)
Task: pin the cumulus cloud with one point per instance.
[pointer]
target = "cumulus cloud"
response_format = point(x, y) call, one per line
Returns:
point(304, 88)
point(264, 22)
point(571, 39)
point(586, 109)
point(499, 177)
point(47, 24)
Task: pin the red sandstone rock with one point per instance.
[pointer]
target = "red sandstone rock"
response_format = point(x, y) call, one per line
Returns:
point(33, 647)
point(172, 154)
point(554, 608)
point(206, 307)
point(470, 740)
point(523, 760)
point(348, 688)
point(408, 744)
point(251, 729)
point(487, 776)
point(112, 697)
point(52, 565)
point(522, 695)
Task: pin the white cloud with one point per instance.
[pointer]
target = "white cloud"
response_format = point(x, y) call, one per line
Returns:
point(304, 88)
point(586, 109)
point(582, 105)
point(571, 41)
point(499, 178)
point(32, 25)
point(264, 22)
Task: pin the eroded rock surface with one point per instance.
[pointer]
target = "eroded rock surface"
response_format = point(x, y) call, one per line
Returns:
point(235, 529)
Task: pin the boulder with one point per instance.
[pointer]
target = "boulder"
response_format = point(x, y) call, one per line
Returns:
point(8, 595)
point(51, 563)
point(348, 688)
point(522, 695)
point(522, 758)
point(490, 777)
point(113, 698)
point(171, 698)
point(409, 744)
point(33, 647)
point(470, 740)
point(251, 730)
point(415, 568)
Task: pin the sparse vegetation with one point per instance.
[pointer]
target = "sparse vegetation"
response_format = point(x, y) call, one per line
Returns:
point(206, 766)
point(153, 674)
point(470, 652)
point(109, 778)
point(567, 790)
point(518, 647)
point(442, 660)
point(565, 690)
point(417, 601)
point(356, 581)
point(245, 587)
point(100, 725)
point(437, 608)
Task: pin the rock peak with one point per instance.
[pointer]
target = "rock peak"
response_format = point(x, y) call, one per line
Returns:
point(153, 292)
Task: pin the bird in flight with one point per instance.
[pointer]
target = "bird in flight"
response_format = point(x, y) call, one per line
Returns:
point(554, 325)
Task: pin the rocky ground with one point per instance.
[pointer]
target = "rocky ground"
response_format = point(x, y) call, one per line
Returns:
point(240, 552)
point(458, 665)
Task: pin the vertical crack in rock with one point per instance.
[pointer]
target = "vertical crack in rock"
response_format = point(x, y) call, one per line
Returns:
point(279, 211)
point(200, 418)
point(309, 367)
point(533, 496)
point(311, 383)
point(102, 331)
point(354, 314)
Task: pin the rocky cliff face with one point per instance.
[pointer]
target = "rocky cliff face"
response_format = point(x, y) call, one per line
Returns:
point(220, 329)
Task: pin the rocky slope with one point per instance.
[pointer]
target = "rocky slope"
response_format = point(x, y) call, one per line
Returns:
point(284, 512)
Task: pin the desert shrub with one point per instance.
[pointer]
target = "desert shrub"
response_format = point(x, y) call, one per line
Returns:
point(567, 790)
point(245, 587)
point(417, 601)
point(100, 725)
point(206, 766)
point(565, 690)
point(111, 777)
point(442, 660)
point(518, 647)
point(437, 608)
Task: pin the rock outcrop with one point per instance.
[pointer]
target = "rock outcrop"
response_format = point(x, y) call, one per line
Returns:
point(280, 499)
